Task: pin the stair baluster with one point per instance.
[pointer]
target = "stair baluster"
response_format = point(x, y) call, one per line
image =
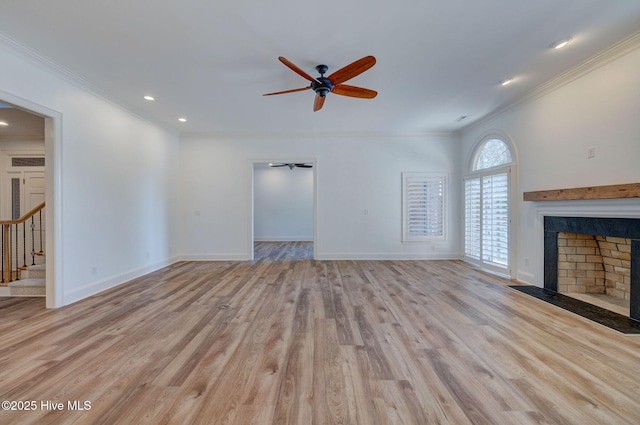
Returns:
point(3, 255)
point(17, 255)
point(10, 250)
point(24, 245)
point(33, 242)
point(41, 251)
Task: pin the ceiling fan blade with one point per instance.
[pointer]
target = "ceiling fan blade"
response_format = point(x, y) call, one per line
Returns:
point(278, 165)
point(304, 166)
point(351, 70)
point(296, 69)
point(287, 91)
point(353, 91)
point(317, 104)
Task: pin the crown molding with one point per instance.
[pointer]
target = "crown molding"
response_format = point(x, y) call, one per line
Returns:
point(48, 65)
point(43, 62)
point(616, 51)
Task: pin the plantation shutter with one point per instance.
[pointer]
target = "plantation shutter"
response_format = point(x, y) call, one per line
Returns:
point(486, 216)
point(495, 220)
point(424, 215)
point(472, 218)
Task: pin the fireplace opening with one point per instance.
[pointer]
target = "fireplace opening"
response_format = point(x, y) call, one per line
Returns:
point(596, 260)
point(596, 269)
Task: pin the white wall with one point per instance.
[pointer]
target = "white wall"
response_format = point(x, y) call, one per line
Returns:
point(282, 203)
point(354, 174)
point(552, 134)
point(115, 183)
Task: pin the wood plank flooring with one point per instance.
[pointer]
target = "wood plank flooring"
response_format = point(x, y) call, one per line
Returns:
point(285, 339)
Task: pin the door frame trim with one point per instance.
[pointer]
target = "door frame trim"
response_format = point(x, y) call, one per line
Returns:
point(53, 194)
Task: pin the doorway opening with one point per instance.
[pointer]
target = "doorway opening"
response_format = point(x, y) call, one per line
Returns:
point(29, 171)
point(283, 207)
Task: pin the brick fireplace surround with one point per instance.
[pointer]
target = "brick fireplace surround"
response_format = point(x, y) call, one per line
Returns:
point(589, 277)
point(594, 265)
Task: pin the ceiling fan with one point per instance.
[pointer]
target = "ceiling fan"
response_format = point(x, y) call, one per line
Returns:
point(291, 165)
point(333, 83)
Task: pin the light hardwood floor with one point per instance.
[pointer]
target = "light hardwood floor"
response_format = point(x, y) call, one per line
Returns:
point(288, 340)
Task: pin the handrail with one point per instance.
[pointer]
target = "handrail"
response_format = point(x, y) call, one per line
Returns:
point(7, 273)
point(24, 217)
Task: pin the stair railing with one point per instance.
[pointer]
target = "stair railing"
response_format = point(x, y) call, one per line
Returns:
point(14, 253)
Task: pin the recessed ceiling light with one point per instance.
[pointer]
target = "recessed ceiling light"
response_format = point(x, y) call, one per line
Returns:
point(506, 82)
point(562, 43)
point(4, 123)
point(182, 119)
point(147, 97)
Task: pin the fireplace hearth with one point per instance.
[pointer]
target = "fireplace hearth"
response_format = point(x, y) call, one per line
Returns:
point(626, 228)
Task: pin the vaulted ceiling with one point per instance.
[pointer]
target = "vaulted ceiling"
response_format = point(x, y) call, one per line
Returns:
point(211, 61)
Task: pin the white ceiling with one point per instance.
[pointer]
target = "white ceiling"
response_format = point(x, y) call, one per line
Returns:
point(22, 125)
point(210, 61)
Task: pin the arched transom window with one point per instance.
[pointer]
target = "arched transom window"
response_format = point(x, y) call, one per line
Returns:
point(492, 153)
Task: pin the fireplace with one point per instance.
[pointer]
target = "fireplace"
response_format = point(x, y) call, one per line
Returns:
point(624, 229)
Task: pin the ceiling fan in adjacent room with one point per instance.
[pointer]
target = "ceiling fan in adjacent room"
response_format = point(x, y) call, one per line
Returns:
point(334, 82)
point(291, 165)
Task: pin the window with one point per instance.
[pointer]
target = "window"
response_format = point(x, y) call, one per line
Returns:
point(27, 162)
point(487, 212)
point(424, 200)
point(494, 152)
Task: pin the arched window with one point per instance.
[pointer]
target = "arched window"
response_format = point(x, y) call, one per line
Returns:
point(492, 153)
point(487, 204)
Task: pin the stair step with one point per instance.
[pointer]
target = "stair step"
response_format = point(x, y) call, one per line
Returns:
point(28, 288)
point(39, 271)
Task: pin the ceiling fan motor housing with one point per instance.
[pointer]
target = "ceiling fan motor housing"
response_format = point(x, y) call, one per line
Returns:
point(323, 87)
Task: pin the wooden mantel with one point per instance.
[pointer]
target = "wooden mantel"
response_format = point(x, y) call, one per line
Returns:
point(631, 190)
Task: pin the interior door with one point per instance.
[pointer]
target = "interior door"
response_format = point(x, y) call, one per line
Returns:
point(33, 189)
point(26, 190)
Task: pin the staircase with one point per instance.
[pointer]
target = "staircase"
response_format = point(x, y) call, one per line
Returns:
point(31, 282)
point(23, 260)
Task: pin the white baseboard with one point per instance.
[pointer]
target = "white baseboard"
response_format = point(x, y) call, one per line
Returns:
point(527, 278)
point(214, 257)
point(283, 239)
point(331, 256)
point(387, 256)
point(111, 282)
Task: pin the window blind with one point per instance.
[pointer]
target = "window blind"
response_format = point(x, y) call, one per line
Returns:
point(495, 219)
point(486, 220)
point(424, 213)
point(472, 218)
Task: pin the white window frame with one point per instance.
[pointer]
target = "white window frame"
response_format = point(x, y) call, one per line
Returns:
point(471, 173)
point(441, 179)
